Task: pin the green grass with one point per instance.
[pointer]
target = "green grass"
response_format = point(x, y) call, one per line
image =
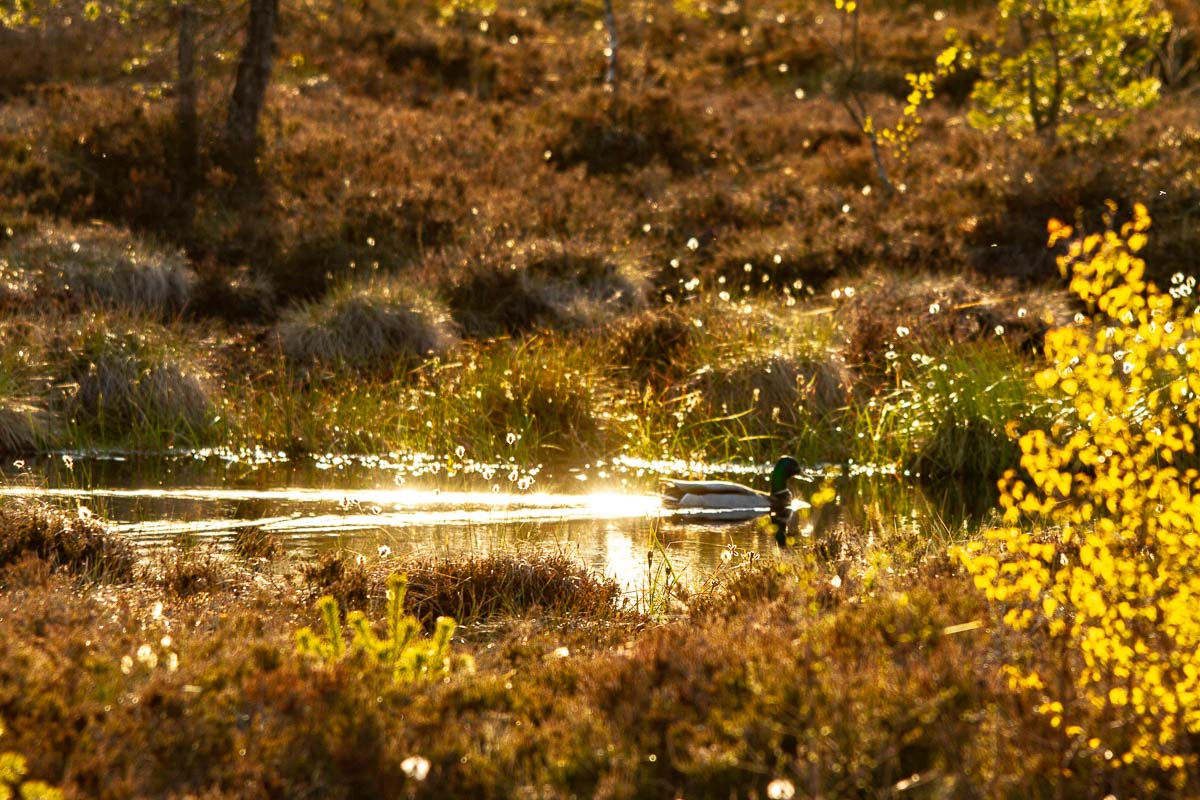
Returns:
point(130, 382)
point(955, 415)
point(714, 379)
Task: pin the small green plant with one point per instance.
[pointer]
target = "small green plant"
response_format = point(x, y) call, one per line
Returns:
point(409, 656)
point(1070, 70)
point(12, 783)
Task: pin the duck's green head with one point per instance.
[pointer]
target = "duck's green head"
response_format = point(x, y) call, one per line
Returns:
point(785, 469)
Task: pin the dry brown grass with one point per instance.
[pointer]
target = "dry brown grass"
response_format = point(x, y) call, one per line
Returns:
point(342, 576)
point(474, 589)
point(79, 544)
point(188, 570)
point(255, 544)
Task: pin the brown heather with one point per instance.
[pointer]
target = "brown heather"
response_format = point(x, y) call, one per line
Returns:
point(138, 690)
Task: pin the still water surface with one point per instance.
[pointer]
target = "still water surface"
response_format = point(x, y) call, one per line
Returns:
point(604, 514)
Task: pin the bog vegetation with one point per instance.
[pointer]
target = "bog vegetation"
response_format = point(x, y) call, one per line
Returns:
point(543, 233)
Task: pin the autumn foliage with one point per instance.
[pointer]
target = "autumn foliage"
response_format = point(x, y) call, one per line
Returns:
point(1099, 550)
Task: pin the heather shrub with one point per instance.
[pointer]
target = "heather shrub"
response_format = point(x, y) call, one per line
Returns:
point(126, 155)
point(770, 260)
point(57, 47)
point(380, 325)
point(426, 61)
point(889, 318)
point(621, 131)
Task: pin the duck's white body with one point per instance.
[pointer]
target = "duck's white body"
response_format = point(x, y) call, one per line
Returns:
point(731, 502)
point(714, 500)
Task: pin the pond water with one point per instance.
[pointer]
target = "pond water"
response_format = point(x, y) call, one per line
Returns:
point(605, 514)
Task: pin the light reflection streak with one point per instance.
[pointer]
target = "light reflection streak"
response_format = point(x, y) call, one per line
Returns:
point(503, 505)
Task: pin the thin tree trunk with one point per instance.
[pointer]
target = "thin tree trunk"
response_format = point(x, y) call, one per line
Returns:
point(250, 88)
point(610, 22)
point(186, 94)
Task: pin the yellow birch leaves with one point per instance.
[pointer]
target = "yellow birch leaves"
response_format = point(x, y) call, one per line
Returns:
point(1100, 548)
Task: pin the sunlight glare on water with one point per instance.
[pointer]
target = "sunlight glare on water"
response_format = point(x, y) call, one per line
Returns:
point(410, 504)
point(391, 506)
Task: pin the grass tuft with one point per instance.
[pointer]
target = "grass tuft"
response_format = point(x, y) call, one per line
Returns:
point(100, 265)
point(79, 544)
point(23, 428)
point(544, 283)
point(187, 570)
point(655, 344)
point(131, 382)
point(253, 543)
point(477, 588)
point(778, 390)
point(382, 325)
point(340, 575)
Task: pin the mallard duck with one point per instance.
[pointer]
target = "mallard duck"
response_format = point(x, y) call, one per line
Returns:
point(724, 500)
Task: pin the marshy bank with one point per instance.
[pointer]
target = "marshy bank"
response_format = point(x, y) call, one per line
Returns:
point(180, 676)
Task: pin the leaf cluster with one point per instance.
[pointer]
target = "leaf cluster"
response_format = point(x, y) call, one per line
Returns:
point(1100, 548)
point(13, 769)
point(1071, 70)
